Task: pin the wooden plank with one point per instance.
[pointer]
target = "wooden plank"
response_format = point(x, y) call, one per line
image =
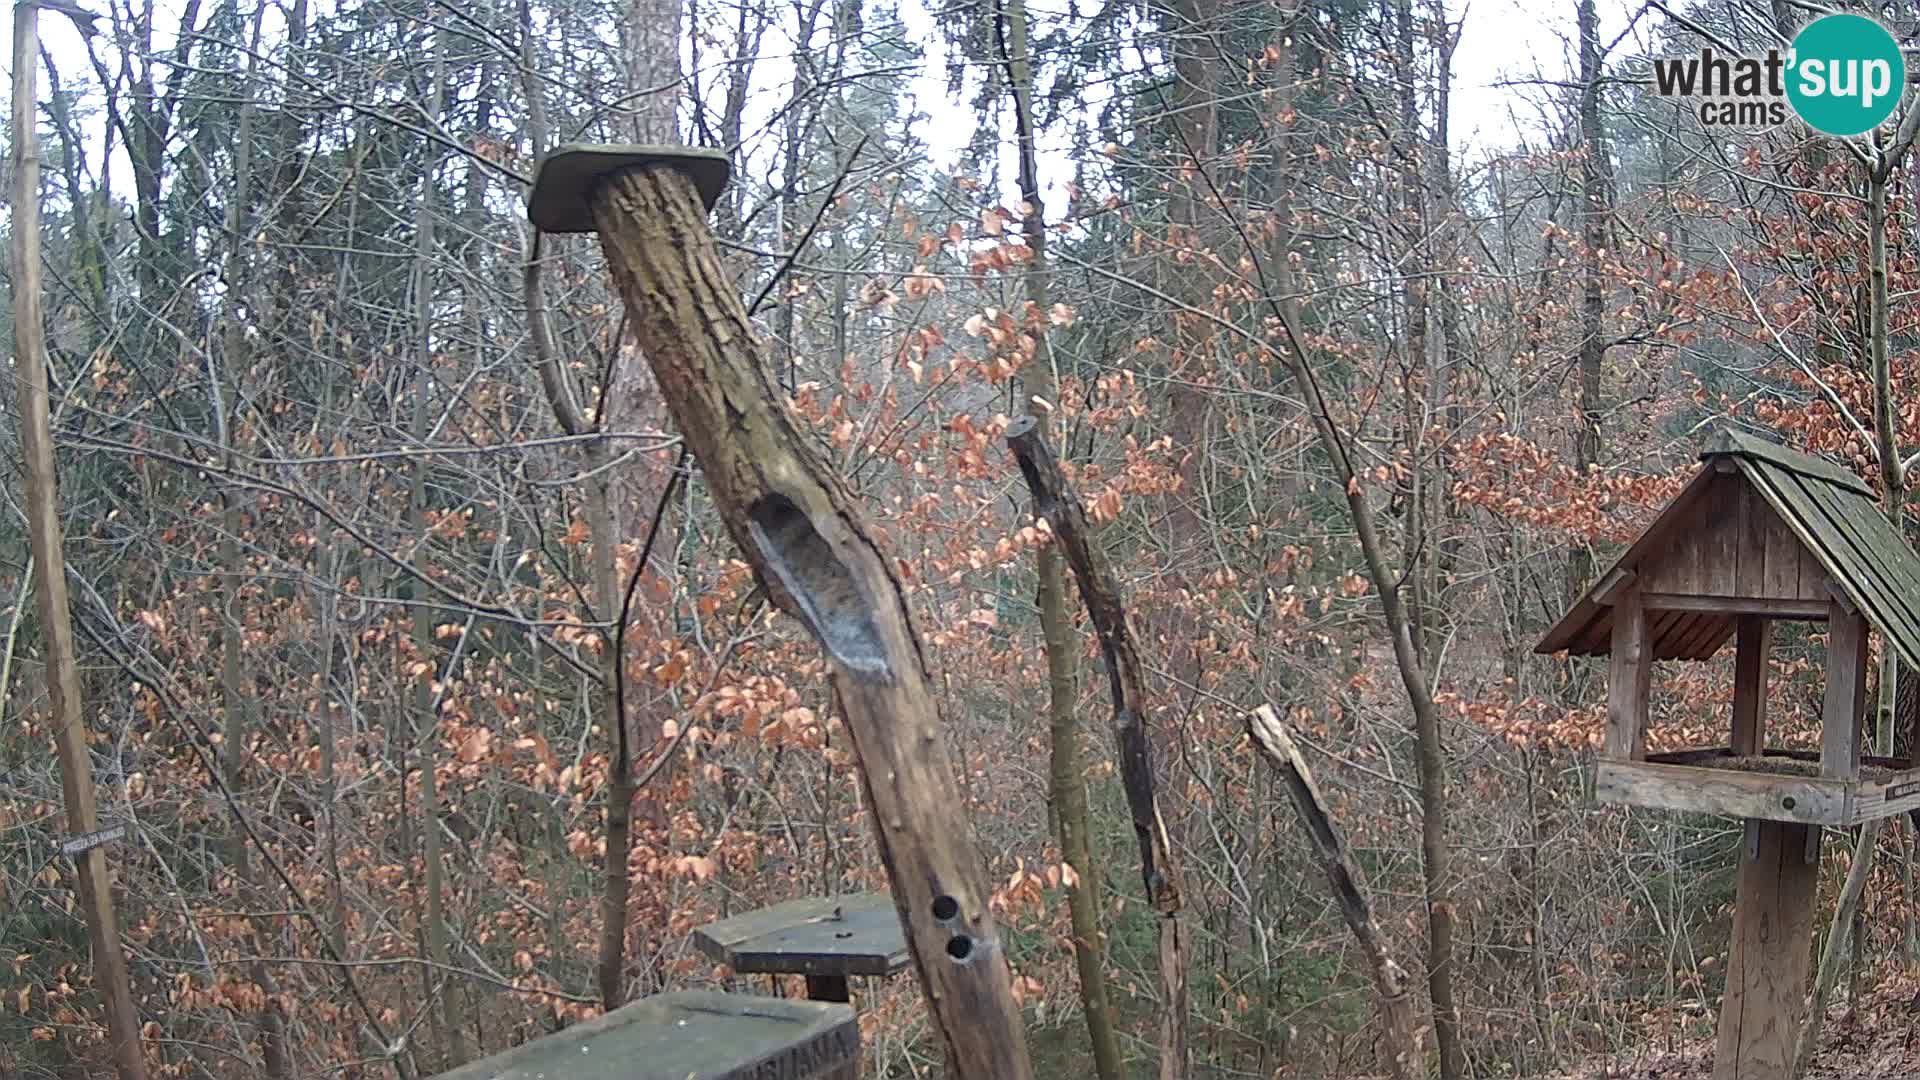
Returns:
point(690, 1035)
point(1846, 694)
point(1772, 948)
point(1629, 680)
point(1611, 585)
point(1746, 604)
point(1666, 643)
point(1898, 794)
point(1752, 534)
point(1754, 640)
point(1786, 553)
point(857, 934)
point(1752, 446)
point(1718, 539)
point(1708, 636)
point(1702, 790)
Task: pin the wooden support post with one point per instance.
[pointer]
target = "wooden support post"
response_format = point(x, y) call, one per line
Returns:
point(1772, 950)
point(1846, 692)
point(828, 988)
point(1629, 679)
point(1753, 640)
point(810, 544)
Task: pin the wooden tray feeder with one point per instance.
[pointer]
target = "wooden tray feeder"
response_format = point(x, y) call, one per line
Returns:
point(825, 940)
point(1761, 534)
point(691, 1035)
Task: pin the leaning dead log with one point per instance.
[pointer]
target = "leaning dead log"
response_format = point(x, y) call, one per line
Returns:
point(1399, 1026)
point(808, 541)
point(1126, 678)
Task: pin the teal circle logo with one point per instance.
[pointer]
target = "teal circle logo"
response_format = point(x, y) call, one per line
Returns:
point(1846, 74)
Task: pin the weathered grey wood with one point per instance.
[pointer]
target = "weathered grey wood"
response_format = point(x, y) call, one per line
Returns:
point(858, 934)
point(1899, 794)
point(1750, 684)
point(1719, 538)
point(1629, 680)
point(1727, 441)
point(1880, 578)
point(811, 546)
point(1702, 790)
point(1770, 956)
point(691, 1035)
point(1793, 608)
point(1787, 558)
point(1612, 583)
point(1708, 753)
point(1887, 584)
point(1753, 526)
point(1846, 694)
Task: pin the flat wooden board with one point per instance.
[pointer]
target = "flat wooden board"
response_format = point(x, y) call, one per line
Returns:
point(1714, 780)
point(691, 1035)
point(1704, 790)
point(857, 934)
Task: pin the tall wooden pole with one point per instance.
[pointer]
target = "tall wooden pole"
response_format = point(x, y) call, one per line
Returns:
point(809, 543)
point(49, 561)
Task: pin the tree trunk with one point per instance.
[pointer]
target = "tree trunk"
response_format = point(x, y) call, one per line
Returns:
point(1040, 398)
point(799, 528)
point(91, 881)
point(425, 722)
point(1430, 754)
point(1593, 231)
point(235, 701)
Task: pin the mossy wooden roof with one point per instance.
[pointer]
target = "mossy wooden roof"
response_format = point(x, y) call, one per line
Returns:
point(1831, 513)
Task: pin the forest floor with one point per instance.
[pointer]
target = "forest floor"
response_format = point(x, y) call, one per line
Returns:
point(1878, 1040)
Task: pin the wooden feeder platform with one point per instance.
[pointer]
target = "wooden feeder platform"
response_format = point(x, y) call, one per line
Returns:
point(1774, 785)
point(691, 1035)
point(826, 940)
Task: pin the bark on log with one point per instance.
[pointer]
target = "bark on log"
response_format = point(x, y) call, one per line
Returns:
point(1400, 1029)
point(1126, 678)
point(807, 539)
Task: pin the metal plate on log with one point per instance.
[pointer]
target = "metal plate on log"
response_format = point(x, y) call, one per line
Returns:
point(562, 196)
point(690, 1035)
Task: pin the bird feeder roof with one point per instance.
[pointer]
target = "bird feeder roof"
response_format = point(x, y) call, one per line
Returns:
point(1832, 516)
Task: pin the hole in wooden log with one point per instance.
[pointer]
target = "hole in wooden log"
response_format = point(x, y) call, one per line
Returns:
point(960, 946)
point(832, 602)
point(945, 908)
point(1786, 802)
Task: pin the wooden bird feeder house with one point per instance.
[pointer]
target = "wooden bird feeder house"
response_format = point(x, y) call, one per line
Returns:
point(1761, 534)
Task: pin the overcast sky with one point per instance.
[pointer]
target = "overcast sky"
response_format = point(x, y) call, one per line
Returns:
point(1503, 42)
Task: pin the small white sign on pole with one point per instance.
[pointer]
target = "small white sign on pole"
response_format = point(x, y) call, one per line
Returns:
point(86, 842)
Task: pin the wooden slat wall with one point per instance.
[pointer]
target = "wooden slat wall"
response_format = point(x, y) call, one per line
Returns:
point(1737, 547)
